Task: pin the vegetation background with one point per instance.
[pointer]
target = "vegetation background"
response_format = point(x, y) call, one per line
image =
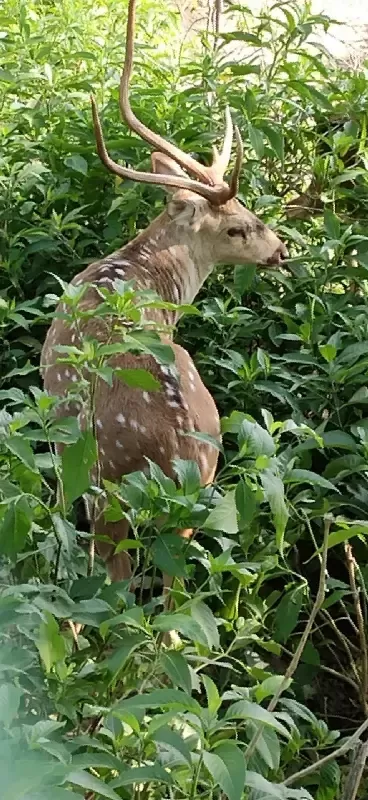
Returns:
point(268, 688)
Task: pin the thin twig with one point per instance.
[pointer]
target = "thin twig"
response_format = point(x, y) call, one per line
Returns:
point(341, 601)
point(339, 675)
point(353, 740)
point(351, 565)
point(355, 775)
point(304, 638)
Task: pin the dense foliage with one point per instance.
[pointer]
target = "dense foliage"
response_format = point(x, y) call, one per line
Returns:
point(241, 706)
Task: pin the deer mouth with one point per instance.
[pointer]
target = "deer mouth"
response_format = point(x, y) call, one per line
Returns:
point(280, 255)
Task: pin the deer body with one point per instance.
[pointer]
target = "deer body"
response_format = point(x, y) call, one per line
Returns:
point(202, 226)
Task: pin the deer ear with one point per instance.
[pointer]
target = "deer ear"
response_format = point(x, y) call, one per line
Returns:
point(188, 210)
point(164, 165)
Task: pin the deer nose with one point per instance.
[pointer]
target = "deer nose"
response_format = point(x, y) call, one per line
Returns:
point(280, 255)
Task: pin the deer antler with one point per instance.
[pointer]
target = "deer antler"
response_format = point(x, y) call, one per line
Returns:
point(210, 184)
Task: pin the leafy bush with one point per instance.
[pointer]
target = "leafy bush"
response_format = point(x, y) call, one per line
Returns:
point(270, 674)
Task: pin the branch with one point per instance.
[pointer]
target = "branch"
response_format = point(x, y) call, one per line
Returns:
point(355, 775)
point(353, 740)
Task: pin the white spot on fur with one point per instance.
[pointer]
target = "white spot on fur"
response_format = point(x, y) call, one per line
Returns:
point(120, 272)
point(58, 377)
point(146, 397)
point(105, 269)
point(191, 375)
point(73, 338)
point(121, 419)
point(173, 404)
point(74, 378)
point(111, 464)
point(99, 423)
point(67, 373)
point(142, 428)
point(162, 450)
point(119, 445)
point(179, 420)
point(102, 451)
point(165, 370)
point(134, 424)
point(192, 387)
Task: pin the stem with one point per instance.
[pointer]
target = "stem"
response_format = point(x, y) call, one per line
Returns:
point(193, 793)
point(303, 640)
point(351, 565)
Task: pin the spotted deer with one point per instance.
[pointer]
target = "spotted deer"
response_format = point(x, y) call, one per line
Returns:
point(203, 225)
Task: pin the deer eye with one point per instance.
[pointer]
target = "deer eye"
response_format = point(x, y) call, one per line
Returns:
point(236, 232)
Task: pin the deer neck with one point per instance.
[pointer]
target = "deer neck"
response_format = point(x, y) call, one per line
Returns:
point(177, 260)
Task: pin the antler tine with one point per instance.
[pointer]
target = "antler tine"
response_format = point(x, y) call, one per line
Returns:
point(221, 160)
point(215, 195)
point(234, 180)
point(185, 161)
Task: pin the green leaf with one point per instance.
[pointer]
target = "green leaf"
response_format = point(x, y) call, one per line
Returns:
point(270, 686)
point(152, 774)
point(15, 527)
point(268, 745)
point(360, 396)
point(344, 534)
point(77, 163)
point(255, 440)
point(77, 461)
point(256, 140)
point(188, 474)
point(167, 736)
point(175, 666)
point(339, 439)
point(275, 138)
point(332, 224)
point(241, 36)
point(10, 697)
point(50, 644)
point(203, 615)
point(263, 787)
point(182, 623)
point(246, 502)
point(223, 516)
point(213, 697)
point(93, 784)
point(287, 613)
point(20, 448)
point(328, 352)
point(273, 488)
point(243, 709)
point(306, 476)
point(160, 698)
point(226, 766)
point(168, 554)
point(117, 660)
point(244, 277)
point(138, 379)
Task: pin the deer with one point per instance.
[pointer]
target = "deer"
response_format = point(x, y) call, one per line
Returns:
point(203, 225)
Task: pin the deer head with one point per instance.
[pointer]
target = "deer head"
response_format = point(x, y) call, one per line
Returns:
point(204, 206)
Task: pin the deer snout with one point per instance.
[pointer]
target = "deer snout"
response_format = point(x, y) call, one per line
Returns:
point(280, 255)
